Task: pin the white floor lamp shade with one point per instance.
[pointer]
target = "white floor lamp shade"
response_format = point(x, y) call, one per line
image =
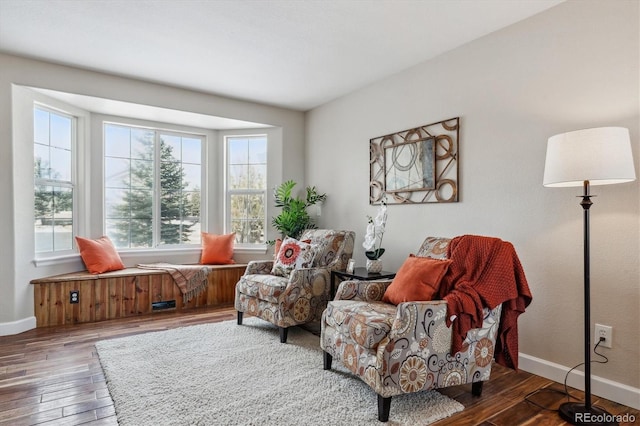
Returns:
point(601, 156)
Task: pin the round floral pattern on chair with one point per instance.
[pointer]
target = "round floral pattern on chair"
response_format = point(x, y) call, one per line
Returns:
point(453, 374)
point(413, 374)
point(441, 338)
point(483, 352)
point(375, 291)
point(301, 309)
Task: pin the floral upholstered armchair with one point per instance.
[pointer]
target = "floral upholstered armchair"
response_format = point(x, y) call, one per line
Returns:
point(302, 296)
point(404, 348)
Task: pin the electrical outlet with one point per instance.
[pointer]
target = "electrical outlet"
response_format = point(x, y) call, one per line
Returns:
point(606, 332)
point(74, 296)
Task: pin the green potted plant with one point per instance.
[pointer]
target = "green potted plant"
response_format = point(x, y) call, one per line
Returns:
point(294, 218)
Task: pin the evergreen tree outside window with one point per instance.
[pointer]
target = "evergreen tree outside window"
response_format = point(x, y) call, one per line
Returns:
point(152, 187)
point(246, 187)
point(54, 136)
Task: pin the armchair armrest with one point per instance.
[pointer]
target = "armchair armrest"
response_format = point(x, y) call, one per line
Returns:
point(419, 341)
point(365, 291)
point(316, 280)
point(420, 336)
point(261, 267)
point(420, 319)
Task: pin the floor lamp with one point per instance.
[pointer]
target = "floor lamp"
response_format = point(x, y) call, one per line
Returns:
point(599, 156)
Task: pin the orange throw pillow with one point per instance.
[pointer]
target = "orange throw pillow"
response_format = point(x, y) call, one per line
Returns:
point(418, 279)
point(99, 255)
point(217, 249)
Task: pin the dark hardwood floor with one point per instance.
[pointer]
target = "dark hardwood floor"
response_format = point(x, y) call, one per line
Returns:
point(52, 376)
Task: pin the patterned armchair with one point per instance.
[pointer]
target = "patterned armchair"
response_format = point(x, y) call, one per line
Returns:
point(404, 348)
point(301, 297)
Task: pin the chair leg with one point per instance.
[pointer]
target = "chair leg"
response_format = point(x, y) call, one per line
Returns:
point(239, 318)
point(384, 404)
point(283, 334)
point(327, 358)
point(476, 388)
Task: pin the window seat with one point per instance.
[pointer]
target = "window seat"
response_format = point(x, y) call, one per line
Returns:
point(125, 293)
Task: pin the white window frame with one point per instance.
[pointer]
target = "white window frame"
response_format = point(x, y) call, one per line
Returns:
point(159, 129)
point(72, 184)
point(229, 192)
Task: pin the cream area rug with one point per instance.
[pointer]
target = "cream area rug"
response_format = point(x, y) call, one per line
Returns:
point(229, 374)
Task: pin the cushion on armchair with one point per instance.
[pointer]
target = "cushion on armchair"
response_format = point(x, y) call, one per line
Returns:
point(293, 254)
point(365, 323)
point(418, 279)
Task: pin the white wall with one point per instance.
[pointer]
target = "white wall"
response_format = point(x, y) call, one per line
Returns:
point(16, 161)
point(574, 66)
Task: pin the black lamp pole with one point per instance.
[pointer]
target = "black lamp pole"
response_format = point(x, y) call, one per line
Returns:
point(578, 413)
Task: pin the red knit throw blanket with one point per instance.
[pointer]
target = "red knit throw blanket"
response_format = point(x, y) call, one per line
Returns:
point(485, 271)
point(190, 279)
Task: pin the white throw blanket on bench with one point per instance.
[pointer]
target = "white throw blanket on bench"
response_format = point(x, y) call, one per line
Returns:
point(190, 279)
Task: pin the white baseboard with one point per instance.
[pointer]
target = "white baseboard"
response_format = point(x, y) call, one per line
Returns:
point(16, 327)
point(605, 388)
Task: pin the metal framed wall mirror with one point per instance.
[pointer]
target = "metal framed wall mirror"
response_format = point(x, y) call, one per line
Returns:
point(418, 165)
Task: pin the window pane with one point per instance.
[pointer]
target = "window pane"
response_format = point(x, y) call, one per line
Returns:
point(256, 232)
point(192, 206)
point(237, 226)
point(238, 206)
point(44, 238)
point(63, 205)
point(41, 126)
point(257, 177)
point(195, 236)
point(258, 151)
point(116, 172)
point(116, 141)
point(60, 135)
point(141, 233)
point(192, 176)
point(43, 213)
point(141, 203)
point(247, 218)
point(62, 219)
point(142, 144)
point(238, 177)
point(61, 164)
point(238, 150)
point(174, 227)
point(142, 174)
point(118, 232)
point(116, 206)
point(41, 161)
point(53, 226)
point(170, 148)
point(191, 151)
point(255, 206)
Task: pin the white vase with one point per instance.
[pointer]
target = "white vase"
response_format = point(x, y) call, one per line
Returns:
point(374, 266)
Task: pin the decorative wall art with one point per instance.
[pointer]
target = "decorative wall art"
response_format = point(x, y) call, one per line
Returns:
point(417, 165)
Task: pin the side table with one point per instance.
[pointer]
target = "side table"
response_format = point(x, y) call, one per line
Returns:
point(359, 274)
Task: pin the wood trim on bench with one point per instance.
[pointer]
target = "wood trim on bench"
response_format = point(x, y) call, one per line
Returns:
point(124, 293)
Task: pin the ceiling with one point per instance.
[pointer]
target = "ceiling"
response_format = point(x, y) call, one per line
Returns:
point(288, 53)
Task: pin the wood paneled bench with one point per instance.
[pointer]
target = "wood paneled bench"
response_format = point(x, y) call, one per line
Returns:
point(129, 292)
